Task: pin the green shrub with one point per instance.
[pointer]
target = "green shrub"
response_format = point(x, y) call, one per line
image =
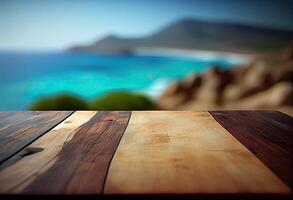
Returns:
point(60, 102)
point(123, 101)
point(111, 101)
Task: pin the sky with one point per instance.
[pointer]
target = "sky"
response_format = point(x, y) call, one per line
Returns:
point(59, 24)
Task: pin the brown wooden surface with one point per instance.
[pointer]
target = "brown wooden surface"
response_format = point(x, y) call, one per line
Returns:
point(18, 129)
point(82, 164)
point(161, 153)
point(268, 134)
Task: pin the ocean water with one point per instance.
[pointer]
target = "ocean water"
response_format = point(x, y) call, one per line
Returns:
point(26, 77)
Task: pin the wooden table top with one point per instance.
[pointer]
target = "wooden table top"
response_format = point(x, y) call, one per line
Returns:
point(146, 153)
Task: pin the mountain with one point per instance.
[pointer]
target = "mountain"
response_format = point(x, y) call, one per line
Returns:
point(194, 34)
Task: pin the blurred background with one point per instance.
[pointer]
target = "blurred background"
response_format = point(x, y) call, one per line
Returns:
point(142, 55)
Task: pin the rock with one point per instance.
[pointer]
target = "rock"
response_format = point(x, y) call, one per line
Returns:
point(264, 84)
point(176, 88)
point(189, 78)
point(215, 82)
point(278, 95)
point(283, 72)
point(256, 79)
point(232, 93)
point(185, 88)
point(208, 92)
point(288, 53)
point(191, 84)
point(226, 77)
point(192, 81)
point(170, 102)
point(256, 74)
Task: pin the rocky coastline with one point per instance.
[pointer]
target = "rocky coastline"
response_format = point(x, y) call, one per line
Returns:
point(265, 83)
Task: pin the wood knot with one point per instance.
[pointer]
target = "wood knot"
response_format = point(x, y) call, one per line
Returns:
point(31, 150)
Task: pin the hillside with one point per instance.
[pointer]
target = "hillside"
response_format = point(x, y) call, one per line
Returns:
point(193, 34)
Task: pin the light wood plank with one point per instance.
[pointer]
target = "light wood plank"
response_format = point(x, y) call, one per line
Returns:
point(185, 152)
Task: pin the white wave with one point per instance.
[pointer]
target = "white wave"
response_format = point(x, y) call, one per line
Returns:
point(156, 89)
point(234, 58)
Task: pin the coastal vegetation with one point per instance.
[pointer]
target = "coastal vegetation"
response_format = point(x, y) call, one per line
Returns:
point(123, 101)
point(60, 102)
point(120, 100)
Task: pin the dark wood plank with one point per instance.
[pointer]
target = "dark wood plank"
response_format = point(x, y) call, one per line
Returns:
point(11, 122)
point(82, 164)
point(8, 119)
point(267, 134)
point(19, 129)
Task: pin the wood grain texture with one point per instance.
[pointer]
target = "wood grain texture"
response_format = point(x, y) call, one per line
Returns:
point(74, 160)
point(185, 153)
point(268, 134)
point(18, 129)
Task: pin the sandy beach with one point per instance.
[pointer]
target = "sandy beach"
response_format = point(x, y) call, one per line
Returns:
point(235, 57)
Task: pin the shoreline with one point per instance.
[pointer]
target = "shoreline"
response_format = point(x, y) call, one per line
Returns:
point(160, 85)
point(236, 58)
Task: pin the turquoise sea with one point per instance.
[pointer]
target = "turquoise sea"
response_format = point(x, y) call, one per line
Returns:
point(26, 77)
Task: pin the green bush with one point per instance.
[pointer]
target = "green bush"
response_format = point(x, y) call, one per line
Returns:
point(111, 101)
point(60, 102)
point(123, 101)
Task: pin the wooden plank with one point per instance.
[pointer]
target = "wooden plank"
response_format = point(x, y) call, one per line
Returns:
point(185, 153)
point(268, 134)
point(20, 129)
point(20, 170)
point(9, 120)
point(74, 159)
